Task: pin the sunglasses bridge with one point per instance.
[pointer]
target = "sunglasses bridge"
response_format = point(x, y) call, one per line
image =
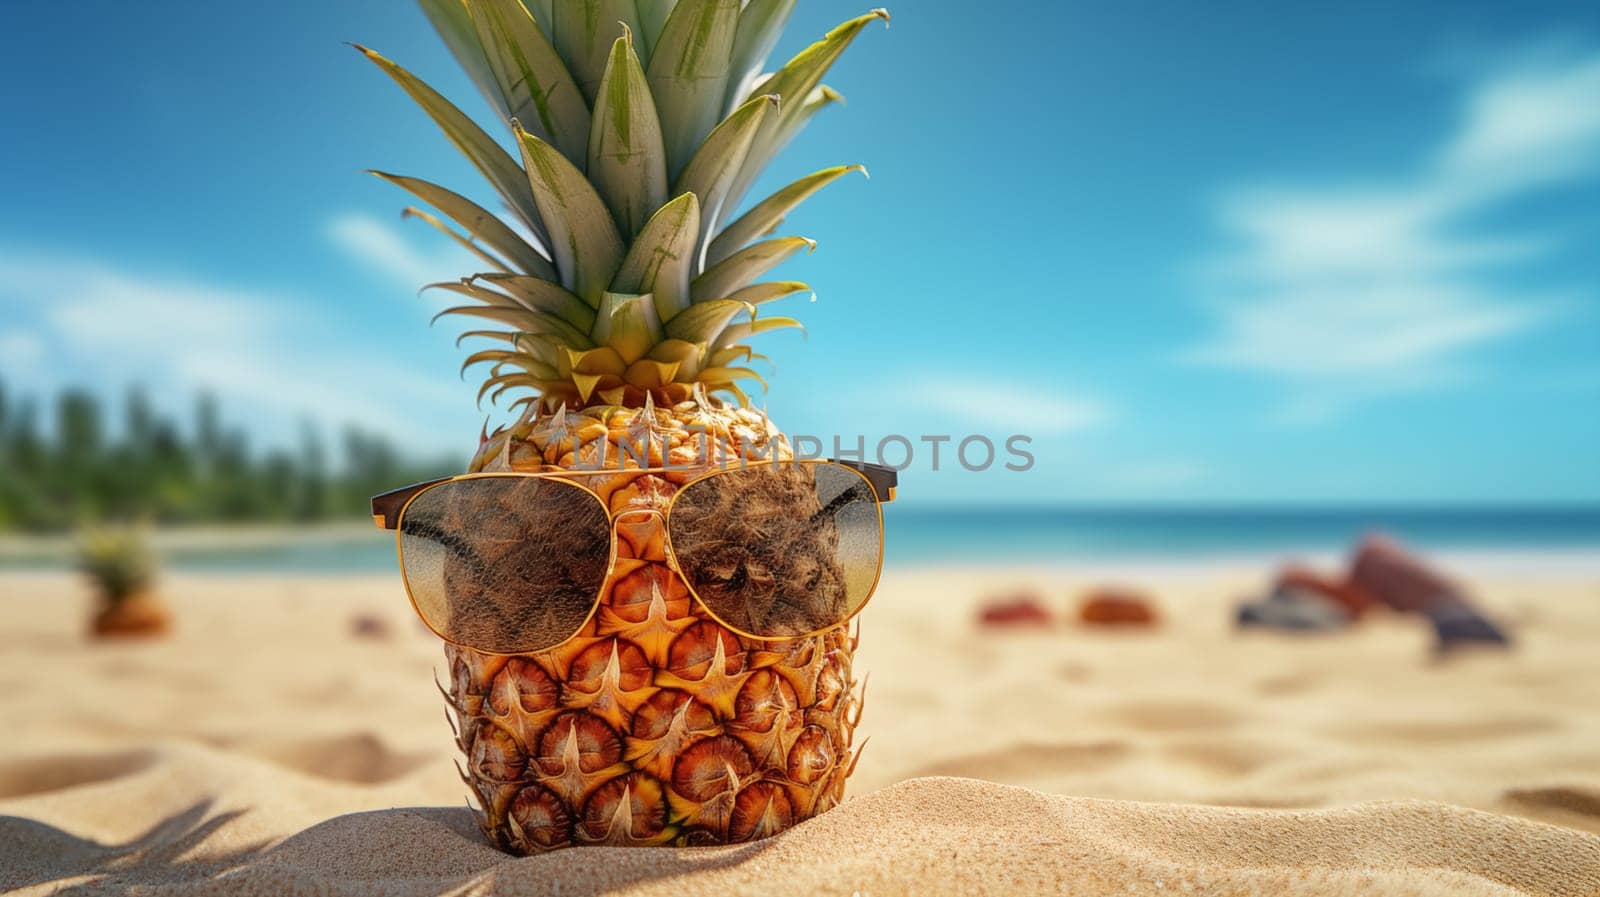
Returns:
point(660, 516)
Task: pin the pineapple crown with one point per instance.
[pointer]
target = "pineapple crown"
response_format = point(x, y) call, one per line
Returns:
point(117, 558)
point(641, 125)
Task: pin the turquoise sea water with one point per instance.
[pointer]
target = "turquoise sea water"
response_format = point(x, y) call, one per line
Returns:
point(1198, 533)
point(1033, 535)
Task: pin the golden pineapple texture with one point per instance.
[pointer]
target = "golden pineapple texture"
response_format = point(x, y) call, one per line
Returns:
point(655, 725)
point(620, 289)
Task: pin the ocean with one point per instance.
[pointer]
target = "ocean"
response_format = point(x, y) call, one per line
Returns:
point(921, 536)
point(1195, 533)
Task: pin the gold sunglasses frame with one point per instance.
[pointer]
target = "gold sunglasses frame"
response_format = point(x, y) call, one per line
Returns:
point(880, 496)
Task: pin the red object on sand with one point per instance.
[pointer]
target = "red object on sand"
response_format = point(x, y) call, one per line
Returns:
point(1345, 593)
point(1394, 576)
point(1385, 570)
point(1022, 610)
point(1117, 607)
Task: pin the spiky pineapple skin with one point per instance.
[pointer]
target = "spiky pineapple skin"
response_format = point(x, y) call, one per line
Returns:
point(655, 725)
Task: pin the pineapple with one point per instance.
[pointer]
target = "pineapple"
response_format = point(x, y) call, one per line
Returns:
point(622, 296)
point(118, 560)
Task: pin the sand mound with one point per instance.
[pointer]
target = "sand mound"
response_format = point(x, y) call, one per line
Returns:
point(924, 836)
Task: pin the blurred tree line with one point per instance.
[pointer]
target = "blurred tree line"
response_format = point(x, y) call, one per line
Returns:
point(152, 469)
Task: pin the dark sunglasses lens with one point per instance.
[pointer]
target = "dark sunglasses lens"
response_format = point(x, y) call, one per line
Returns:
point(779, 550)
point(506, 565)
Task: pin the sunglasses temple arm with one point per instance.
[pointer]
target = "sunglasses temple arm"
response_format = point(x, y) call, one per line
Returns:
point(386, 506)
point(883, 479)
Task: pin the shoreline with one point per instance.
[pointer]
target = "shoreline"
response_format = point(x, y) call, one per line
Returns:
point(354, 548)
point(1535, 563)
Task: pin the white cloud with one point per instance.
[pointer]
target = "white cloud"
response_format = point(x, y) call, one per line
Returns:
point(1008, 407)
point(268, 356)
point(382, 247)
point(1392, 327)
point(1353, 292)
point(1537, 123)
point(20, 350)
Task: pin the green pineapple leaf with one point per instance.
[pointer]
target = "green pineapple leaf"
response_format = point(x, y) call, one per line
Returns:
point(544, 302)
point(499, 336)
point(538, 90)
point(760, 293)
point(453, 22)
point(731, 374)
point(584, 31)
point(726, 357)
point(495, 163)
point(653, 16)
point(762, 152)
point(542, 11)
point(710, 174)
point(628, 324)
point(542, 295)
point(738, 333)
point(804, 72)
point(627, 164)
point(465, 242)
point(479, 222)
point(760, 26)
point(525, 321)
point(487, 297)
point(661, 257)
point(770, 212)
point(499, 357)
point(583, 238)
point(500, 383)
point(539, 347)
point(689, 74)
point(795, 83)
point(705, 321)
point(745, 266)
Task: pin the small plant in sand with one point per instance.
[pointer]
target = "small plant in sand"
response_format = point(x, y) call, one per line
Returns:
point(119, 561)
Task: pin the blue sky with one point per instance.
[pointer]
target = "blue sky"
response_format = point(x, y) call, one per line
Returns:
point(1241, 254)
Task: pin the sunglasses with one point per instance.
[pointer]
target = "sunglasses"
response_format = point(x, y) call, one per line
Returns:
point(516, 563)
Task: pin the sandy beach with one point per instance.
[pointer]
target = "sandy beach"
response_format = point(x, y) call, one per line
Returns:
point(272, 745)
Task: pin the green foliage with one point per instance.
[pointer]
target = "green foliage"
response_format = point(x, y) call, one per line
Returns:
point(76, 470)
point(118, 558)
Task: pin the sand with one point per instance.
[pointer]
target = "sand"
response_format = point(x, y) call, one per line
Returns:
point(268, 748)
